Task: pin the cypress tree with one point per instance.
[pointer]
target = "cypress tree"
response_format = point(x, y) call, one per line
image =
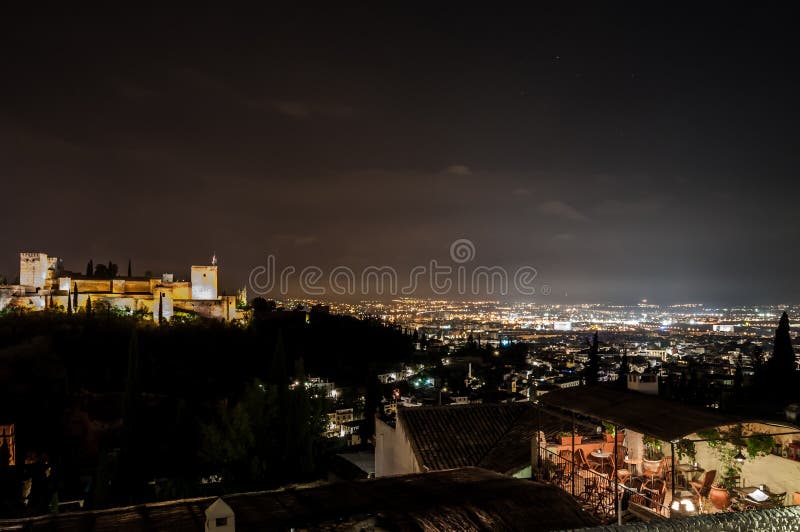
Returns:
point(69, 304)
point(160, 308)
point(783, 359)
point(75, 295)
point(89, 306)
point(90, 268)
point(782, 364)
point(129, 268)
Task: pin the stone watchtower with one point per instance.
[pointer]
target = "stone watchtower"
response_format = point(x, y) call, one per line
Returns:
point(33, 269)
point(204, 282)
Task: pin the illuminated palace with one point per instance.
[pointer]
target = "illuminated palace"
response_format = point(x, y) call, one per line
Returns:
point(43, 283)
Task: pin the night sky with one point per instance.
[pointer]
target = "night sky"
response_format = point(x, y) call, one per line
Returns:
point(623, 154)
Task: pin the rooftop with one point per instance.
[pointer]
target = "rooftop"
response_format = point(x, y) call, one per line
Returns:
point(648, 414)
point(459, 499)
point(492, 436)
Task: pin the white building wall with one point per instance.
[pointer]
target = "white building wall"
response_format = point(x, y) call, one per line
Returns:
point(393, 453)
point(204, 282)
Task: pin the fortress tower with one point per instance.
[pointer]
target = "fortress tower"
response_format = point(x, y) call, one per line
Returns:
point(204, 282)
point(33, 269)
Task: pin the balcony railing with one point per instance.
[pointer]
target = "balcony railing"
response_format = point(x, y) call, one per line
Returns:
point(600, 493)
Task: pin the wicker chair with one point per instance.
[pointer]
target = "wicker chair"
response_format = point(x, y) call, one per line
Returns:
point(623, 473)
point(659, 471)
point(656, 491)
point(636, 483)
point(580, 459)
point(776, 500)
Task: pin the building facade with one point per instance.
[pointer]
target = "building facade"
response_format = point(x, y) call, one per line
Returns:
point(44, 283)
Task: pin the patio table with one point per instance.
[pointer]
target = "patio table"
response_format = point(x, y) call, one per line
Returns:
point(744, 499)
point(692, 470)
point(602, 455)
point(635, 463)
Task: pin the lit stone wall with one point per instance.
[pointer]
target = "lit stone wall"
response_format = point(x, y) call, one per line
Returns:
point(204, 282)
point(223, 308)
point(15, 297)
point(64, 284)
point(33, 269)
point(137, 286)
point(99, 301)
point(93, 285)
point(118, 285)
point(181, 290)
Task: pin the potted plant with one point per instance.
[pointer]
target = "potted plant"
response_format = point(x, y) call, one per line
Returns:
point(568, 437)
point(652, 448)
point(729, 445)
point(685, 448)
point(610, 431)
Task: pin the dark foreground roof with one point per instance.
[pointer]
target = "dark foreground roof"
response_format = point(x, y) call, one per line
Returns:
point(777, 519)
point(492, 436)
point(648, 414)
point(460, 499)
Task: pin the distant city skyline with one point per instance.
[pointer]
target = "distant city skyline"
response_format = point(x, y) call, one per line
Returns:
point(544, 293)
point(623, 153)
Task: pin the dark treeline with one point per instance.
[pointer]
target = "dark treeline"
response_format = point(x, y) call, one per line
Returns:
point(125, 411)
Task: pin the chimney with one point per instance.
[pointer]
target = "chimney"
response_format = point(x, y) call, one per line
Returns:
point(219, 517)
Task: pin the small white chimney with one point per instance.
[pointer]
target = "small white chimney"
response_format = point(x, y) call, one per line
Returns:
point(219, 517)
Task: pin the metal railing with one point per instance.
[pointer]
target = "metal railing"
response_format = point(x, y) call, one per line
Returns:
point(600, 493)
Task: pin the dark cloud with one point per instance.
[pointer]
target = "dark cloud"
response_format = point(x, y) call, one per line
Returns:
point(297, 109)
point(655, 158)
point(458, 169)
point(559, 209)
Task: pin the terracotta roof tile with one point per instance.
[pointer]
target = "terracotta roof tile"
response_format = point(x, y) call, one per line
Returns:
point(493, 436)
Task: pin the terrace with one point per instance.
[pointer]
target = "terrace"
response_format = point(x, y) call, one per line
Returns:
point(637, 456)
